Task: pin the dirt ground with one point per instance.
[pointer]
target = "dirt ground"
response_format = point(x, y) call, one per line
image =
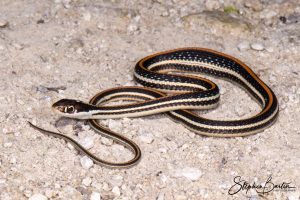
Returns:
point(56, 49)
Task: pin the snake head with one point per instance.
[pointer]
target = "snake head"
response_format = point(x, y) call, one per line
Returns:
point(72, 108)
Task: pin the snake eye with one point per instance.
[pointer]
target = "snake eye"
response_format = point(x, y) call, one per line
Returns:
point(69, 109)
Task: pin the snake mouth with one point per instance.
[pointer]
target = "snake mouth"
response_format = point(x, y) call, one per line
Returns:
point(58, 109)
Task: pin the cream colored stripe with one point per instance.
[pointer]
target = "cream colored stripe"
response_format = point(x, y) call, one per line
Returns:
point(155, 81)
point(210, 66)
point(110, 96)
point(150, 112)
point(160, 104)
point(226, 127)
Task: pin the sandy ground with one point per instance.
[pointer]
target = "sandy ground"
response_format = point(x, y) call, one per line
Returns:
point(74, 48)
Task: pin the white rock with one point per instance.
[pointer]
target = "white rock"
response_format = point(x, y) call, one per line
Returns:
point(69, 192)
point(146, 138)
point(101, 26)
point(87, 16)
point(105, 187)
point(95, 196)
point(257, 46)
point(132, 28)
point(57, 186)
point(18, 46)
point(243, 46)
point(3, 24)
point(106, 141)
point(70, 146)
point(269, 49)
point(7, 130)
point(86, 162)
point(116, 180)
point(293, 195)
point(163, 150)
point(87, 142)
point(255, 5)
point(13, 160)
point(161, 196)
point(5, 196)
point(114, 124)
point(116, 191)
point(212, 4)
point(27, 193)
point(252, 194)
point(239, 111)
point(190, 173)
point(163, 178)
point(268, 14)
point(49, 193)
point(87, 181)
point(7, 144)
point(2, 180)
point(180, 197)
point(38, 197)
point(97, 185)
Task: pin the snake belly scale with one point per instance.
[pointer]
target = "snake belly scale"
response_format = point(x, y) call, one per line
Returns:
point(169, 88)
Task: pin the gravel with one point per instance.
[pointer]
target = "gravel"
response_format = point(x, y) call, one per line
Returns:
point(51, 50)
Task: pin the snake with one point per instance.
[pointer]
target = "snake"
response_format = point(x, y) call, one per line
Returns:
point(171, 84)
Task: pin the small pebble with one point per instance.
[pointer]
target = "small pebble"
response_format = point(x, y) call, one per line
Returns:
point(19, 101)
point(116, 191)
point(101, 26)
point(257, 46)
point(86, 162)
point(116, 180)
point(239, 111)
point(243, 46)
point(96, 185)
point(180, 197)
point(163, 178)
point(269, 49)
point(42, 89)
point(27, 193)
point(87, 181)
point(106, 141)
point(13, 160)
point(190, 173)
point(70, 146)
point(49, 193)
point(95, 196)
point(57, 186)
point(185, 146)
point(253, 194)
point(161, 196)
point(87, 142)
point(106, 187)
point(148, 139)
point(268, 14)
point(293, 195)
point(115, 124)
point(2, 180)
point(163, 150)
point(132, 28)
point(7, 144)
point(255, 5)
point(87, 16)
point(3, 24)
point(38, 197)
point(212, 4)
point(18, 46)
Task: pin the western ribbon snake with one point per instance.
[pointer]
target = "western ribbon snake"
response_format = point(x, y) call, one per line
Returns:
point(167, 91)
